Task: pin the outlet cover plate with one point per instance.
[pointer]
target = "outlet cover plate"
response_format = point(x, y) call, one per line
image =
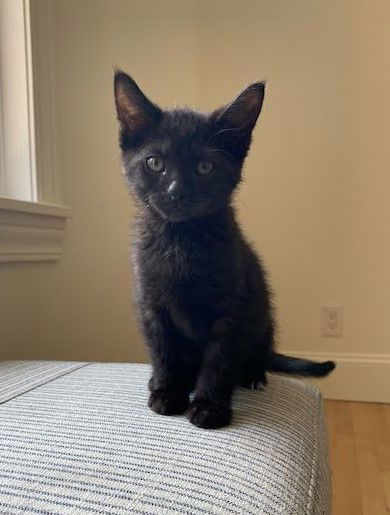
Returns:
point(332, 320)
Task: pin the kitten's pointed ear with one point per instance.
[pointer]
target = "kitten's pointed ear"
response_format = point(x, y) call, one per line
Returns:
point(235, 122)
point(243, 112)
point(136, 113)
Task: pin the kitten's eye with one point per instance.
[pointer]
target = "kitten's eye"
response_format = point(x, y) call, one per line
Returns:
point(205, 167)
point(156, 164)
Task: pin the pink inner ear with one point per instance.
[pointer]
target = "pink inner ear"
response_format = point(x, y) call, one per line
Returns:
point(129, 112)
point(245, 110)
point(123, 103)
point(252, 101)
point(248, 105)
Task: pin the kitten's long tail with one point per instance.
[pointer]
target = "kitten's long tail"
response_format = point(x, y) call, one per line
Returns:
point(299, 366)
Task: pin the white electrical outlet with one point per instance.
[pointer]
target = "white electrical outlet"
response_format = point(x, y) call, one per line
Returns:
point(332, 320)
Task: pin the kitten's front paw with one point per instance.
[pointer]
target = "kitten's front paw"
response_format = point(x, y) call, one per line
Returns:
point(209, 416)
point(166, 403)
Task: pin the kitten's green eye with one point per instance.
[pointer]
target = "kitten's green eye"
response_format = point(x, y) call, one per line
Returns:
point(205, 167)
point(156, 164)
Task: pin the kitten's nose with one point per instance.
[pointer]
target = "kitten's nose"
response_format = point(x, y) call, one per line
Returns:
point(173, 192)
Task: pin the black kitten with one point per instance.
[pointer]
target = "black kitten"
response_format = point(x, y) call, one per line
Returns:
point(201, 293)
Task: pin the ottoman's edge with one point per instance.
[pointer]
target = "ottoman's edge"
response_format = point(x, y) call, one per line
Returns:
point(303, 385)
point(319, 492)
point(311, 388)
point(41, 374)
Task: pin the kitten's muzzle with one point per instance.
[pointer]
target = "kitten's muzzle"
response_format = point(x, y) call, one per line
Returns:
point(174, 199)
point(174, 206)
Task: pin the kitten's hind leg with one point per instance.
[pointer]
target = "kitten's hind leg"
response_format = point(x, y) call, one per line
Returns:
point(253, 376)
point(254, 367)
point(260, 341)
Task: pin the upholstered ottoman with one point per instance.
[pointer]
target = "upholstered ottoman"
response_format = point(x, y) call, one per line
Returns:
point(78, 438)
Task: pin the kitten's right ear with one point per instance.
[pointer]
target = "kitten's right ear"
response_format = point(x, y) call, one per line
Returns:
point(136, 113)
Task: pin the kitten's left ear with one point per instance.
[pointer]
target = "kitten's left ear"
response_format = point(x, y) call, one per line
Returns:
point(243, 112)
point(136, 113)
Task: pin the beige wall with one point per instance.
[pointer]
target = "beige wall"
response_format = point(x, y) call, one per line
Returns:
point(315, 200)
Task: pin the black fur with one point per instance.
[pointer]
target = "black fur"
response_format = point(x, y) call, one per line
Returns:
point(201, 293)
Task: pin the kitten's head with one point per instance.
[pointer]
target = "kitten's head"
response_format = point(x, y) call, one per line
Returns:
point(180, 163)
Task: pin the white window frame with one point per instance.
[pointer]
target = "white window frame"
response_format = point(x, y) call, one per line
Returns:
point(18, 178)
point(32, 215)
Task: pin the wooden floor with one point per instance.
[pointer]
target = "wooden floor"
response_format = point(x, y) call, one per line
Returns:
point(359, 435)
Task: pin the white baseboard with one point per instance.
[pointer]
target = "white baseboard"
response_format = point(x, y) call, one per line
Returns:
point(357, 377)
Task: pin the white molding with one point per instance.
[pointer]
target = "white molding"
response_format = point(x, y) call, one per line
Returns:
point(31, 231)
point(30, 100)
point(2, 156)
point(18, 127)
point(39, 208)
point(27, 94)
point(357, 377)
point(43, 47)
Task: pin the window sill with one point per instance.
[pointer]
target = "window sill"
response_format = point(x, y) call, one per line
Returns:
point(31, 231)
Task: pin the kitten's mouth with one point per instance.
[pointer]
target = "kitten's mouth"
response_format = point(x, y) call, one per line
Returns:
point(171, 212)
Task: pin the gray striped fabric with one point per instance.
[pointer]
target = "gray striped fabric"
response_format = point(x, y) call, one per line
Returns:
point(17, 377)
point(86, 443)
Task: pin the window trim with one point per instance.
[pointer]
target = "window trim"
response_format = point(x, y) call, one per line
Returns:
point(32, 230)
point(16, 98)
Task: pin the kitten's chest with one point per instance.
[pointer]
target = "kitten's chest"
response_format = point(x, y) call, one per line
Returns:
point(186, 277)
point(189, 272)
point(177, 280)
point(172, 269)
